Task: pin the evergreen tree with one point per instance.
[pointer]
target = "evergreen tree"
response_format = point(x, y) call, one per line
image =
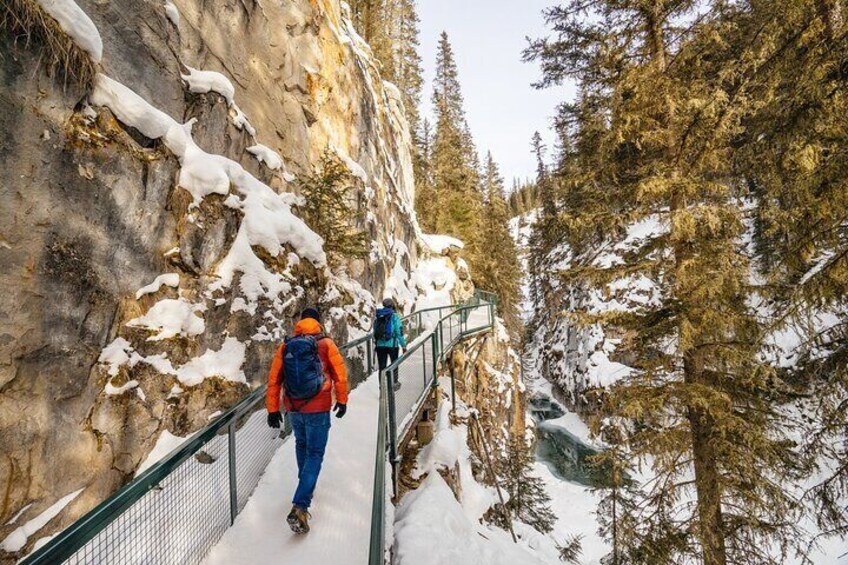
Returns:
point(523, 198)
point(528, 500)
point(391, 29)
point(426, 201)
point(792, 157)
point(374, 22)
point(408, 73)
point(458, 208)
point(544, 235)
point(327, 195)
point(700, 399)
point(543, 184)
point(498, 269)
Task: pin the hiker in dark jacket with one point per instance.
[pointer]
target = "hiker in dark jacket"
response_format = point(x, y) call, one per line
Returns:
point(388, 336)
point(306, 379)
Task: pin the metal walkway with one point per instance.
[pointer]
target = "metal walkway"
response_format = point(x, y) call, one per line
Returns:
point(177, 511)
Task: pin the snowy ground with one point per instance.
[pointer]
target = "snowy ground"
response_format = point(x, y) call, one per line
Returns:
point(574, 506)
point(341, 511)
point(432, 512)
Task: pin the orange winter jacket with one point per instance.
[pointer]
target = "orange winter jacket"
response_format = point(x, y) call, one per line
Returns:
point(335, 375)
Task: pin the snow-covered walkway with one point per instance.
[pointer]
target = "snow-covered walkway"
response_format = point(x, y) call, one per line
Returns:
point(341, 509)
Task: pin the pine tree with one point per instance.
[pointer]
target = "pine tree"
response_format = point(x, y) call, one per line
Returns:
point(700, 399)
point(544, 235)
point(426, 201)
point(792, 156)
point(391, 29)
point(499, 270)
point(327, 195)
point(455, 176)
point(528, 499)
point(543, 184)
point(408, 74)
point(374, 22)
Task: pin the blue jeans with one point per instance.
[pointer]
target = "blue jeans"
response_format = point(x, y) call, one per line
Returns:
point(310, 440)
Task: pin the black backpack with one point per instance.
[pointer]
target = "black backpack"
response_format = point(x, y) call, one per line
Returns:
point(302, 367)
point(383, 326)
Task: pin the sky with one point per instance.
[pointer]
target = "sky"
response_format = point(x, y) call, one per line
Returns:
point(502, 107)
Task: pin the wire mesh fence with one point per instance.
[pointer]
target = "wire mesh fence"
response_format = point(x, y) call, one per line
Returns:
point(359, 359)
point(177, 510)
point(175, 513)
point(410, 378)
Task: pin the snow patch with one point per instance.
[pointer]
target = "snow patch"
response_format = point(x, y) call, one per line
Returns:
point(18, 514)
point(355, 168)
point(202, 82)
point(169, 279)
point(170, 318)
point(16, 540)
point(165, 444)
point(225, 363)
point(266, 155)
point(115, 354)
point(130, 108)
point(172, 13)
point(112, 390)
point(430, 513)
point(438, 244)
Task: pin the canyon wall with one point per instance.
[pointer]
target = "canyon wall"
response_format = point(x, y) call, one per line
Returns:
point(97, 203)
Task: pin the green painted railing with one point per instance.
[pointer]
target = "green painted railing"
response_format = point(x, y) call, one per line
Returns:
point(175, 511)
point(416, 373)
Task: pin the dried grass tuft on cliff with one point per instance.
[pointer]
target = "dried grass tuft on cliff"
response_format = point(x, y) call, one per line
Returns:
point(28, 23)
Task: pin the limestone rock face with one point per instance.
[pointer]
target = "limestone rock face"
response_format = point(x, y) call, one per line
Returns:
point(92, 211)
point(489, 379)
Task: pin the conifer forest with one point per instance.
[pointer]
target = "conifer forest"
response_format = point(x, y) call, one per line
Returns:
point(660, 373)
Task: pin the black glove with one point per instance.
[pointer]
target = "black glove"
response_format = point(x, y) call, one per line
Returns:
point(340, 410)
point(274, 420)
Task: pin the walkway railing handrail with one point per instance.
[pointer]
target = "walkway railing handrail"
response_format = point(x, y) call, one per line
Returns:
point(75, 538)
point(388, 423)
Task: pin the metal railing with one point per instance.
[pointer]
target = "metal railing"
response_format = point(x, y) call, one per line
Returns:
point(177, 510)
point(404, 386)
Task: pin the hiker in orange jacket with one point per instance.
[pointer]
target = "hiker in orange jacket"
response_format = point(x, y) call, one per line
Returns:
point(309, 417)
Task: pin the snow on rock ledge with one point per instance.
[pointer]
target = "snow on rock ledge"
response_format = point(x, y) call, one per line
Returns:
point(16, 540)
point(440, 243)
point(170, 318)
point(77, 25)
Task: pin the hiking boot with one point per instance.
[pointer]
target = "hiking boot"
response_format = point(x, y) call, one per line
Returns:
point(298, 520)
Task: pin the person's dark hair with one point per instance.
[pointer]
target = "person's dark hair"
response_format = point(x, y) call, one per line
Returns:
point(388, 303)
point(310, 313)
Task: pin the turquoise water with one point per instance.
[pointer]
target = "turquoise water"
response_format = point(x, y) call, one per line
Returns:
point(568, 458)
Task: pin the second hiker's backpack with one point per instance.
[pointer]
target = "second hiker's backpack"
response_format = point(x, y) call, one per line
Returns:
point(302, 367)
point(383, 326)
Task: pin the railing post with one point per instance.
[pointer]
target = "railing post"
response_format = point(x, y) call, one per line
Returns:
point(386, 379)
point(231, 444)
point(369, 364)
point(376, 552)
point(453, 384)
point(435, 359)
point(424, 365)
